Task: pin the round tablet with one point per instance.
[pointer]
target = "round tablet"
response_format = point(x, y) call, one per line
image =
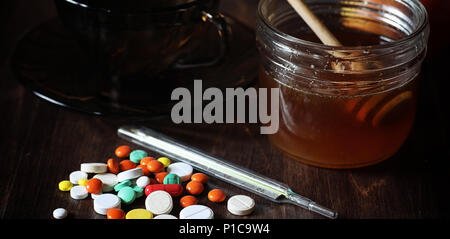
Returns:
point(165, 216)
point(137, 155)
point(124, 183)
point(139, 213)
point(104, 202)
point(240, 205)
point(130, 174)
point(79, 192)
point(127, 195)
point(196, 212)
point(77, 175)
point(159, 202)
point(183, 170)
point(109, 180)
point(172, 178)
point(94, 167)
point(59, 213)
point(138, 191)
point(143, 181)
point(65, 185)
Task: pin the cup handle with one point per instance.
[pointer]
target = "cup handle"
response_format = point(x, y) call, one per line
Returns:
point(221, 25)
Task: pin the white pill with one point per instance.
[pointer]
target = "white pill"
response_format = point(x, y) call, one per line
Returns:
point(165, 216)
point(183, 170)
point(104, 202)
point(196, 212)
point(78, 192)
point(94, 167)
point(59, 213)
point(108, 181)
point(77, 175)
point(240, 205)
point(159, 202)
point(130, 174)
point(143, 181)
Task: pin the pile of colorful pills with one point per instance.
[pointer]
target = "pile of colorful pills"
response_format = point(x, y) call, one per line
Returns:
point(120, 182)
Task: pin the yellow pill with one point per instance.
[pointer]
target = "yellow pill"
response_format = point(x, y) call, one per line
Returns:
point(139, 214)
point(82, 182)
point(65, 185)
point(165, 161)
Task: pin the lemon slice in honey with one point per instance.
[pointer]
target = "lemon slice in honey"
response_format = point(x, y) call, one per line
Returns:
point(389, 106)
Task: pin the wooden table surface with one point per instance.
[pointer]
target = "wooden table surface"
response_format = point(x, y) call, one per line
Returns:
point(42, 143)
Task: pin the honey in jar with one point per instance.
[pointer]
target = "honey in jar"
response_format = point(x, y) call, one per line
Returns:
point(350, 109)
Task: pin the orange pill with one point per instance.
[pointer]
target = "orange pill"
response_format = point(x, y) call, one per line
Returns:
point(94, 186)
point(216, 195)
point(160, 177)
point(123, 151)
point(115, 213)
point(145, 160)
point(113, 165)
point(155, 166)
point(144, 170)
point(126, 165)
point(199, 177)
point(194, 188)
point(188, 200)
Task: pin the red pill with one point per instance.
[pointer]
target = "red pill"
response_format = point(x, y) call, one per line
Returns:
point(216, 195)
point(188, 200)
point(199, 177)
point(174, 190)
point(160, 177)
point(155, 166)
point(113, 165)
point(94, 186)
point(115, 213)
point(126, 165)
point(123, 151)
point(194, 188)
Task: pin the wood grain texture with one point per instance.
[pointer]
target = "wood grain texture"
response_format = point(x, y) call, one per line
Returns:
point(42, 143)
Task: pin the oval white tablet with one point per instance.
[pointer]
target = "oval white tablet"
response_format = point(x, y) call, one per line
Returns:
point(77, 175)
point(143, 181)
point(240, 205)
point(79, 192)
point(94, 167)
point(196, 212)
point(159, 202)
point(60, 213)
point(183, 170)
point(104, 202)
point(165, 216)
point(130, 174)
point(109, 180)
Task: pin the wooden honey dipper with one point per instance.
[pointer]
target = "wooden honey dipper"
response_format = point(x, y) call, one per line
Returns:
point(327, 38)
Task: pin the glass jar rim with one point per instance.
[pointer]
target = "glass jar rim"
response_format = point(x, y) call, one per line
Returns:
point(396, 43)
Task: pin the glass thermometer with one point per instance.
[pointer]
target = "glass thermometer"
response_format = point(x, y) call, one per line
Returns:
point(221, 169)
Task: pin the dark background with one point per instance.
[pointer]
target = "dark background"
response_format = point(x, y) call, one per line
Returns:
point(41, 143)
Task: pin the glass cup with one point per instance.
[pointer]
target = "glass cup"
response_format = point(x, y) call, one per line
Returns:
point(132, 45)
point(343, 107)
